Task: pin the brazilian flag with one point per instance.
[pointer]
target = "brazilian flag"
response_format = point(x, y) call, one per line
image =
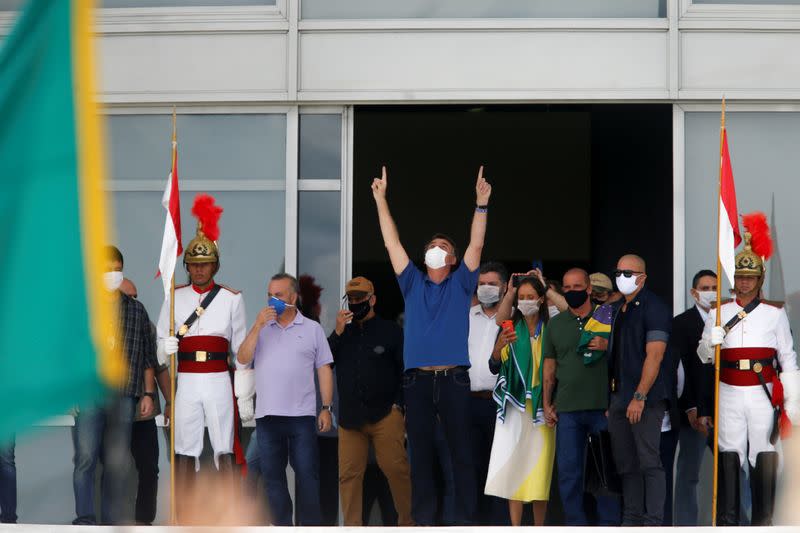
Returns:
point(57, 343)
point(599, 325)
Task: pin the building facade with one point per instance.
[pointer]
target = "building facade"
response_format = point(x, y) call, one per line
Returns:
point(270, 96)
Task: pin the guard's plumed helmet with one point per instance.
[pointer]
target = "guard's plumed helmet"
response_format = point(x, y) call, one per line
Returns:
point(203, 248)
point(751, 261)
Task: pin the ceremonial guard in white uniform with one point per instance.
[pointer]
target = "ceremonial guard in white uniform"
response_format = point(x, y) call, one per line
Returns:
point(759, 391)
point(210, 326)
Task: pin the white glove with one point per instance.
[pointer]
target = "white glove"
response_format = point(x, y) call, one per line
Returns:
point(247, 410)
point(717, 335)
point(166, 346)
point(244, 386)
point(791, 395)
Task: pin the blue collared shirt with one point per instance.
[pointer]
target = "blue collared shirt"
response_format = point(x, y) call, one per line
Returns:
point(437, 316)
point(646, 319)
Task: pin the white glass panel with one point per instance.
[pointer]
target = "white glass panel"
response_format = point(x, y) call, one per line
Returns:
point(251, 242)
point(237, 147)
point(765, 160)
point(392, 9)
point(318, 248)
point(320, 146)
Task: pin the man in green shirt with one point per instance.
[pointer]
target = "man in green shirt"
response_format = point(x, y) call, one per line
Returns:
point(579, 406)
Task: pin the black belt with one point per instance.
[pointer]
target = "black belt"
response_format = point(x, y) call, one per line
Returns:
point(746, 364)
point(201, 356)
point(443, 372)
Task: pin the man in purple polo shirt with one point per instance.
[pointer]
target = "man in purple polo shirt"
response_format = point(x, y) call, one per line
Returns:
point(286, 348)
point(436, 356)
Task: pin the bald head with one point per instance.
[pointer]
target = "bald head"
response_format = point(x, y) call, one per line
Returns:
point(128, 287)
point(632, 262)
point(575, 278)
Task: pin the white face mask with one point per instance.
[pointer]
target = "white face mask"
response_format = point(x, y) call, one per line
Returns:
point(528, 307)
point(488, 294)
point(435, 258)
point(112, 280)
point(706, 298)
point(627, 285)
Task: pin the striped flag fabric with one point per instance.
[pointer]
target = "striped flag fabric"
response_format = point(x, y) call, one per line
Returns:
point(171, 245)
point(58, 347)
point(729, 235)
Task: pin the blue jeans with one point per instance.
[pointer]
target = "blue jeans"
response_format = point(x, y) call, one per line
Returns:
point(687, 476)
point(292, 439)
point(8, 484)
point(572, 431)
point(446, 398)
point(107, 430)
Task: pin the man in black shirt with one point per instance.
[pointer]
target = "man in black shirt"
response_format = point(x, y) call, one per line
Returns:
point(368, 354)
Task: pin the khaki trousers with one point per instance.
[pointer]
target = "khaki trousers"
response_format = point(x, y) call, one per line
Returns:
point(388, 438)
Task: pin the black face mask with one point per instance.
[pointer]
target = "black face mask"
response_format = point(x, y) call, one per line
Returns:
point(360, 310)
point(575, 299)
point(595, 301)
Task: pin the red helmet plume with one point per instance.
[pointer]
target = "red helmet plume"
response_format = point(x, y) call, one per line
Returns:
point(208, 213)
point(760, 238)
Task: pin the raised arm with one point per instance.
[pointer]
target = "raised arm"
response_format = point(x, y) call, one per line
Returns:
point(472, 257)
point(505, 309)
point(391, 239)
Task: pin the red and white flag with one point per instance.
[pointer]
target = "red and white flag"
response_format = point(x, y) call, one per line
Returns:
point(171, 246)
point(729, 235)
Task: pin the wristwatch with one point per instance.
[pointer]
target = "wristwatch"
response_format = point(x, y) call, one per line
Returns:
point(327, 407)
point(153, 395)
point(639, 396)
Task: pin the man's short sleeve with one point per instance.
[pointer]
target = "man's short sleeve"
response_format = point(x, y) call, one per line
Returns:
point(408, 278)
point(657, 322)
point(548, 348)
point(324, 355)
point(467, 279)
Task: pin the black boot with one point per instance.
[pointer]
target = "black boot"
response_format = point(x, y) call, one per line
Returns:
point(184, 487)
point(763, 479)
point(728, 489)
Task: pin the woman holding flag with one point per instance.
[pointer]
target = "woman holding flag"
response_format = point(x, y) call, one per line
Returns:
point(521, 464)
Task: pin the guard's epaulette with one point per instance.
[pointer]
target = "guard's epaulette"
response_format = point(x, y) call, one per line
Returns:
point(773, 303)
point(234, 291)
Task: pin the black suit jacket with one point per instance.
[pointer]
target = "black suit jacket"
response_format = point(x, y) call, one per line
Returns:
point(698, 389)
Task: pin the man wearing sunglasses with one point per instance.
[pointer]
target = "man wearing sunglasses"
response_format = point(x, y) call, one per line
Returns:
point(639, 393)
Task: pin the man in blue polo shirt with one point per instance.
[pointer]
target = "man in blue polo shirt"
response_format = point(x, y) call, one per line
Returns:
point(436, 383)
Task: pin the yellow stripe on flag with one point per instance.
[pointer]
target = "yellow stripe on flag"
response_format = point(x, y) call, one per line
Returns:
point(95, 216)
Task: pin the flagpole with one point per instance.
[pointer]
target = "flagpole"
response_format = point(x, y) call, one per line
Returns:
point(172, 508)
point(718, 323)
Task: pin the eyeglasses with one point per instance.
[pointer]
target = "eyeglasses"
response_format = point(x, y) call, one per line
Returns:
point(626, 273)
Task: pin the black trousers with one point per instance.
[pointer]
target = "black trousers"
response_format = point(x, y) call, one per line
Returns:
point(637, 454)
point(144, 448)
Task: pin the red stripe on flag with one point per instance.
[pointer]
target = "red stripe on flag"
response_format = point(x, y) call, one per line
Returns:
point(175, 202)
point(728, 190)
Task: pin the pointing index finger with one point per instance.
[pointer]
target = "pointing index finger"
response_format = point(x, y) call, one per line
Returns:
point(480, 173)
point(383, 172)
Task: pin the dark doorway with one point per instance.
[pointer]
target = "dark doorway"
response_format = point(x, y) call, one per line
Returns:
point(573, 185)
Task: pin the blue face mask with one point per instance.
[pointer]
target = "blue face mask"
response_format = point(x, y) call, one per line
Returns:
point(279, 305)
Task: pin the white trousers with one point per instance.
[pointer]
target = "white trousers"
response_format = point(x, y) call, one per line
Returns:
point(745, 417)
point(203, 400)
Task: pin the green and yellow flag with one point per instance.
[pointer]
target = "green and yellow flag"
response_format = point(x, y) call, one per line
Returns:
point(57, 321)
